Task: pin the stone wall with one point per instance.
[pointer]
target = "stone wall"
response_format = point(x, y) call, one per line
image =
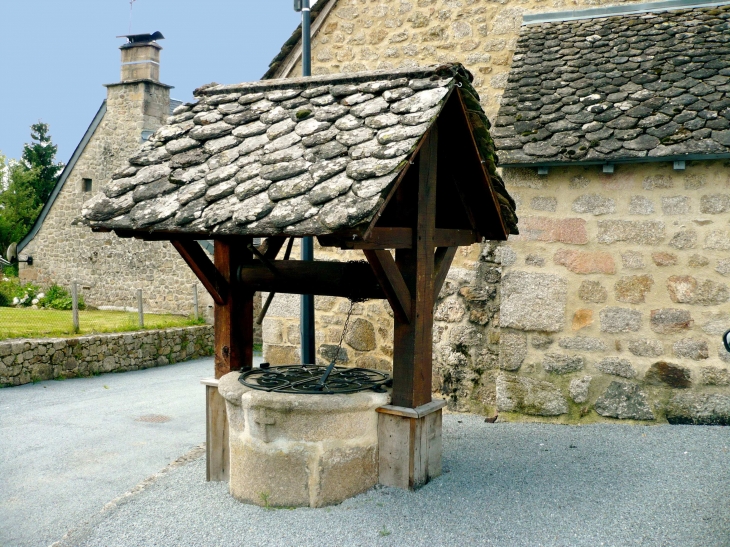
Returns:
point(26, 360)
point(615, 295)
point(385, 34)
point(109, 269)
point(613, 299)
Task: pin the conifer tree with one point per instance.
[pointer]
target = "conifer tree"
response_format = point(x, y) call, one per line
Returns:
point(26, 185)
point(40, 156)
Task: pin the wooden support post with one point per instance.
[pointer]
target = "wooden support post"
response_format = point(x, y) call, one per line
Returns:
point(233, 328)
point(217, 456)
point(75, 305)
point(409, 430)
point(409, 444)
point(196, 309)
point(140, 309)
point(234, 318)
point(413, 341)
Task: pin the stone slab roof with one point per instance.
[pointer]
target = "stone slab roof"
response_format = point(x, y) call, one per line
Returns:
point(306, 156)
point(622, 88)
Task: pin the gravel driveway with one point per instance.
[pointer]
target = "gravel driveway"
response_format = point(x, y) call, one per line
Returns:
point(506, 485)
point(68, 447)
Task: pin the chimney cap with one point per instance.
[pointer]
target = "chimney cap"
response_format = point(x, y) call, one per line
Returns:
point(135, 40)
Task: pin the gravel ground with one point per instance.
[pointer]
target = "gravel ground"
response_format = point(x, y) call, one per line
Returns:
point(67, 448)
point(505, 485)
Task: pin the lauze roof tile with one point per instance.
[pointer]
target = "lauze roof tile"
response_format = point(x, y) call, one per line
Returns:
point(654, 85)
point(307, 156)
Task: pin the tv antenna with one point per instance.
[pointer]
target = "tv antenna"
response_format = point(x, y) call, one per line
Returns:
point(131, 5)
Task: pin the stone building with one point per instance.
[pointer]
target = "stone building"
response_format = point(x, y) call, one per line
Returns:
point(614, 297)
point(109, 270)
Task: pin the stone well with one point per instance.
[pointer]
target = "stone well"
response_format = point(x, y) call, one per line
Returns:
point(300, 450)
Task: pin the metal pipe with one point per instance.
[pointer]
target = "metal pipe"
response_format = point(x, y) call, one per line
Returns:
point(306, 322)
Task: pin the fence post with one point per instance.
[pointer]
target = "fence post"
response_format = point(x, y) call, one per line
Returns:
point(195, 300)
point(75, 305)
point(140, 309)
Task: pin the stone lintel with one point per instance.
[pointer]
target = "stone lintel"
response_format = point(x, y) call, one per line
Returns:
point(418, 412)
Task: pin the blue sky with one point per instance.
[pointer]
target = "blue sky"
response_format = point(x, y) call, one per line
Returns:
point(58, 53)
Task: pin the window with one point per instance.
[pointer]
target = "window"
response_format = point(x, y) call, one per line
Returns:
point(86, 185)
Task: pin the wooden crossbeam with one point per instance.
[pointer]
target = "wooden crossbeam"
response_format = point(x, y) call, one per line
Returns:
point(442, 262)
point(195, 257)
point(351, 280)
point(388, 275)
point(402, 238)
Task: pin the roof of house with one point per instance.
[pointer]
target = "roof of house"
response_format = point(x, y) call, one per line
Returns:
point(635, 87)
point(294, 40)
point(69, 167)
point(303, 156)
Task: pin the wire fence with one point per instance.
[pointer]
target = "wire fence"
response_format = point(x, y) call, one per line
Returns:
point(62, 311)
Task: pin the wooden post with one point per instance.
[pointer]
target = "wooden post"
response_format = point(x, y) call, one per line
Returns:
point(217, 456)
point(233, 330)
point(196, 311)
point(234, 318)
point(413, 341)
point(409, 429)
point(75, 305)
point(140, 308)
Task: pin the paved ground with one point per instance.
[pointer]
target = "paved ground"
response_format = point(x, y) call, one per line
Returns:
point(507, 485)
point(68, 447)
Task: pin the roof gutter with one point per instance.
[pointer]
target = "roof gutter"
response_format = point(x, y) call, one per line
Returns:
point(609, 161)
point(64, 176)
point(611, 11)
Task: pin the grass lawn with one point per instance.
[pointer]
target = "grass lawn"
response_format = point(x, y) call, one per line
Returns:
point(29, 323)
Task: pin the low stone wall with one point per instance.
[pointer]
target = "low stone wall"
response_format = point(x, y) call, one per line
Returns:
point(24, 361)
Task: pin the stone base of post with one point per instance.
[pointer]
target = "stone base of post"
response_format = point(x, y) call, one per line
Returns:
point(217, 458)
point(409, 444)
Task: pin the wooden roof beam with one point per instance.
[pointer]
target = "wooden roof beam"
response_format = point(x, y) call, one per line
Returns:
point(197, 259)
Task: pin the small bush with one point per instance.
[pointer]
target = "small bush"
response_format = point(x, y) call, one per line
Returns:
point(8, 287)
point(58, 298)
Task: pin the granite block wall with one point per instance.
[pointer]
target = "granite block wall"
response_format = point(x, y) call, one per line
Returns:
point(611, 303)
point(30, 360)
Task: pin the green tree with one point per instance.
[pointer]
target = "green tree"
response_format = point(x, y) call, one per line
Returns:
point(26, 185)
point(40, 156)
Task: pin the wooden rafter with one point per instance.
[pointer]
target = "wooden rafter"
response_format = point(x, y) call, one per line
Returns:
point(442, 262)
point(198, 261)
point(388, 275)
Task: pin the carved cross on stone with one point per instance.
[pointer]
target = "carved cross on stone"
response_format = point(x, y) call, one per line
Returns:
point(264, 419)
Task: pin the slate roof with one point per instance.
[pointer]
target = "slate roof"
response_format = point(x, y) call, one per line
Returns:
point(653, 86)
point(68, 168)
point(307, 156)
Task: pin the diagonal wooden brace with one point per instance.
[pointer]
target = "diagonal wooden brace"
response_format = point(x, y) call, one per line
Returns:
point(391, 281)
point(195, 257)
point(442, 262)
